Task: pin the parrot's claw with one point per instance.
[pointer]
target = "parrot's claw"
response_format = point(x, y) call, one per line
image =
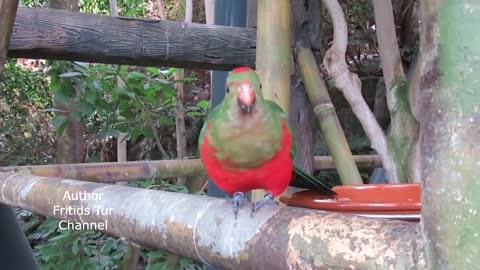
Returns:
point(267, 199)
point(238, 199)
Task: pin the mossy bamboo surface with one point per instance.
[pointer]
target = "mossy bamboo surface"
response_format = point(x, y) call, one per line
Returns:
point(327, 117)
point(141, 170)
point(450, 132)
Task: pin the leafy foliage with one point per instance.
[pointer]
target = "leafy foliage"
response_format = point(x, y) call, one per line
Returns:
point(116, 99)
point(23, 129)
point(71, 249)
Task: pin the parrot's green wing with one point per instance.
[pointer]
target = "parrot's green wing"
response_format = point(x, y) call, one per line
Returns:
point(324, 188)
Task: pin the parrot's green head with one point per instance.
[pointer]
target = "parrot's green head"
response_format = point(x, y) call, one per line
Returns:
point(243, 90)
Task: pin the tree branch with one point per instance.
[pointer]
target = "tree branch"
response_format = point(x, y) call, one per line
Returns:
point(350, 85)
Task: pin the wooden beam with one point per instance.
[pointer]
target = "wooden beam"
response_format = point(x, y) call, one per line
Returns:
point(41, 33)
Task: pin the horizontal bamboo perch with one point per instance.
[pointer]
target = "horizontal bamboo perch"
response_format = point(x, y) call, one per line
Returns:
point(203, 228)
point(142, 170)
point(66, 35)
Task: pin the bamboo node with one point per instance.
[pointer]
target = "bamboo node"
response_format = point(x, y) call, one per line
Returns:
point(323, 109)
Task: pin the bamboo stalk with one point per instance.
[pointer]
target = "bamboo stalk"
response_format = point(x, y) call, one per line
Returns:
point(8, 10)
point(274, 54)
point(327, 117)
point(116, 171)
point(273, 58)
point(109, 172)
point(361, 161)
point(204, 228)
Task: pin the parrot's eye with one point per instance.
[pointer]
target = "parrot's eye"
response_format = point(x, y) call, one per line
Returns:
point(227, 90)
point(260, 86)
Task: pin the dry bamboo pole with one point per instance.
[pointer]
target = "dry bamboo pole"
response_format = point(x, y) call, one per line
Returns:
point(110, 172)
point(8, 10)
point(203, 228)
point(327, 117)
point(361, 161)
point(274, 54)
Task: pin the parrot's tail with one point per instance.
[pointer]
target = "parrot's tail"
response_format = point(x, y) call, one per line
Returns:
point(322, 187)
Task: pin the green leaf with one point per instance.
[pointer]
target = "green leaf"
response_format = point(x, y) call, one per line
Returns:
point(194, 114)
point(114, 133)
point(106, 248)
point(169, 71)
point(153, 70)
point(157, 254)
point(148, 132)
point(58, 237)
point(86, 107)
point(75, 246)
point(59, 120)
point(70, 74)
point(166, 121)
point(136, 76)
point(203, 104)
point(146, 183)
point(135, 134)
point(75, 115)
point(90, 95)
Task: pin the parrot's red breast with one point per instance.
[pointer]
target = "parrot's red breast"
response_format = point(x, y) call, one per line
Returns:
point(273, 175)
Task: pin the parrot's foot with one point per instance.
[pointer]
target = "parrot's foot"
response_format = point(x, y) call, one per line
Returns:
point(238, 199)
point(267, 199)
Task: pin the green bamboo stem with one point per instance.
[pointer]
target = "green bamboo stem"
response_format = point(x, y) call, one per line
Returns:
point(450, 128)
point(8, 10)
point(274, 54)
point(327, 117)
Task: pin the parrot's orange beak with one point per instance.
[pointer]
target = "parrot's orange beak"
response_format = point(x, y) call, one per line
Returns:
point(246, 98)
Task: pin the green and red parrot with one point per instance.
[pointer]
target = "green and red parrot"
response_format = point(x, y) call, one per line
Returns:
point(247, 143)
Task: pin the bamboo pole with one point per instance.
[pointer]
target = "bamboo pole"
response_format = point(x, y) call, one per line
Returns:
point(450, 127)
point(274, 54)
point(203, 228)
point(116, 171)
point(327, 117)
point(361, 161)
point(8, 10)
point(273, 58)
point(110, 172)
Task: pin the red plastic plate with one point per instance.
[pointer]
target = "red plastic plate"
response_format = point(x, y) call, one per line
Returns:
point(370, 199)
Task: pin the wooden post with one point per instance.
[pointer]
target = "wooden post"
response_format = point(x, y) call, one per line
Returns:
point(8, 10)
